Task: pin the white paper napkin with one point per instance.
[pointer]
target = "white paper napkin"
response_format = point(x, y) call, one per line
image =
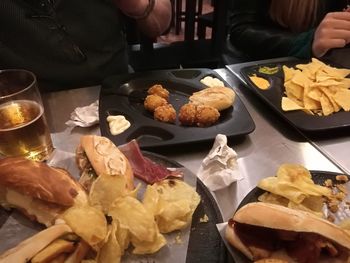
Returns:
point(84, 116)
point(219, 168)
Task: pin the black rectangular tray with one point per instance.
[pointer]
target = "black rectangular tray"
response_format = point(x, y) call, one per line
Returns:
point(124, 95)
point(273, 96)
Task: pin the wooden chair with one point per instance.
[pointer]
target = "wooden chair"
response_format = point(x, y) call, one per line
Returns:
point(180, 14)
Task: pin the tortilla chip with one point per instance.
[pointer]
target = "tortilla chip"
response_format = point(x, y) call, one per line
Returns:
point(315, 93)
point(288, 73)
point(342, 97)
point(294, 90)
point(326, 105)
point(330, 94)
point(289, 105)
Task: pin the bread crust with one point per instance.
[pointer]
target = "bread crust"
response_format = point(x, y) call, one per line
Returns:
point(38, 180)
point(280, 217)
point(105, 158)
point(220, 98)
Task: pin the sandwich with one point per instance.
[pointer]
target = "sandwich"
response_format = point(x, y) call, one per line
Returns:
point(96, 155)
point(266, 232)
point(37, 190)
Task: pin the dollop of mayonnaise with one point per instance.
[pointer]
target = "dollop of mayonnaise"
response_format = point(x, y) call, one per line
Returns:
point(212, 82)
point(117, 124)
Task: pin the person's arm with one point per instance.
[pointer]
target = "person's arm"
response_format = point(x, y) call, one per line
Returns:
point(253, 33)
point(157, 18)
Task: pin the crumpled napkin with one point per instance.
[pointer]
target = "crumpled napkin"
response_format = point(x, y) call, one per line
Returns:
point(219, 168)
point(84, 116)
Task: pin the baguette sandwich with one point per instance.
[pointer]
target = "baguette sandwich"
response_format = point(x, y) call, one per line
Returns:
point(271, 233)
point(96, 155)
point(39, 191)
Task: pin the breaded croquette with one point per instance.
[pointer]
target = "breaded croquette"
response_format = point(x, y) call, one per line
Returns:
point(201, 115)
point(153, 101)
point(165, 113)
point(206, 115)
point(159, 90)
point(187, 114)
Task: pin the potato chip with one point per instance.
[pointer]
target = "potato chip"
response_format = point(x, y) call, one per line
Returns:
point(87, 222)
point(294, 183)
point(173, 203)
point(105, 189)
point(304, 208)
point(111, 251)
point(273, 199)
point(132, 215)
point(122, 235)
point(144, 247)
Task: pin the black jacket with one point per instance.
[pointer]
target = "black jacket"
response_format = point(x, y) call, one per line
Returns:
point(66, 43)
point(255, 35)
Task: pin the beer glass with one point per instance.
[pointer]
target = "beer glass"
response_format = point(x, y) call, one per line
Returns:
point(23, 127)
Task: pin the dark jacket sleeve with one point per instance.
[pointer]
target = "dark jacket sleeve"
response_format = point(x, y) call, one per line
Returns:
point(254, 34)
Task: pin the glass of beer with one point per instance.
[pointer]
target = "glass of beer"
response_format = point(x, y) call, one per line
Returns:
point(23, 127)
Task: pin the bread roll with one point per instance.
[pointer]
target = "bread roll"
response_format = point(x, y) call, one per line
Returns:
point(254, 225)
point(39, 191)
point(218, 97)
point(104, 157)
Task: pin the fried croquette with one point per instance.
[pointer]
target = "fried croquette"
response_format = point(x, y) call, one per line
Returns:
point(154, 101)
point(159, 90)
point(206, 115)
point(165, 113)
point(201, 115)
point(187, 114)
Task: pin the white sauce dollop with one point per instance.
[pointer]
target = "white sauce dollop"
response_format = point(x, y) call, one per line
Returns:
point(212, 82)
point(117, 124)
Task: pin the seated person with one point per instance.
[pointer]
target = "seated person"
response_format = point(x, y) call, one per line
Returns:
point(262, 29)
point(74, 43)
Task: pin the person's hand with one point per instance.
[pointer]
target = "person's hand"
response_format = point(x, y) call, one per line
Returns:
point(332, 32)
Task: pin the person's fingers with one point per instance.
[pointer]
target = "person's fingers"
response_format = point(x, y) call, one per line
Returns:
point(321, 46)
point(334, 34)
point(338, 15)
point(335, 24)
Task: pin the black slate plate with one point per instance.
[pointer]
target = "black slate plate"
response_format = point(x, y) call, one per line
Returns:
point(319, 177)
point(205, 244)
point(125, 94)
point(273, 97)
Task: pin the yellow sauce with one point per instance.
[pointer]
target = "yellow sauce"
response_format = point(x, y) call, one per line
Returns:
point(261, 83)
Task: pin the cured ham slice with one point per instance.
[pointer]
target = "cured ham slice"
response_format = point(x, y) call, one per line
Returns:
point(144, 168)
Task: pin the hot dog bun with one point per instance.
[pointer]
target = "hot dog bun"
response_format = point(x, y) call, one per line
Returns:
point(38, 190)
point(99, 155)
point(260, 230)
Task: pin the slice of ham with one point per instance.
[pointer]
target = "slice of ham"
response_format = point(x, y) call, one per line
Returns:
point(144, 168)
